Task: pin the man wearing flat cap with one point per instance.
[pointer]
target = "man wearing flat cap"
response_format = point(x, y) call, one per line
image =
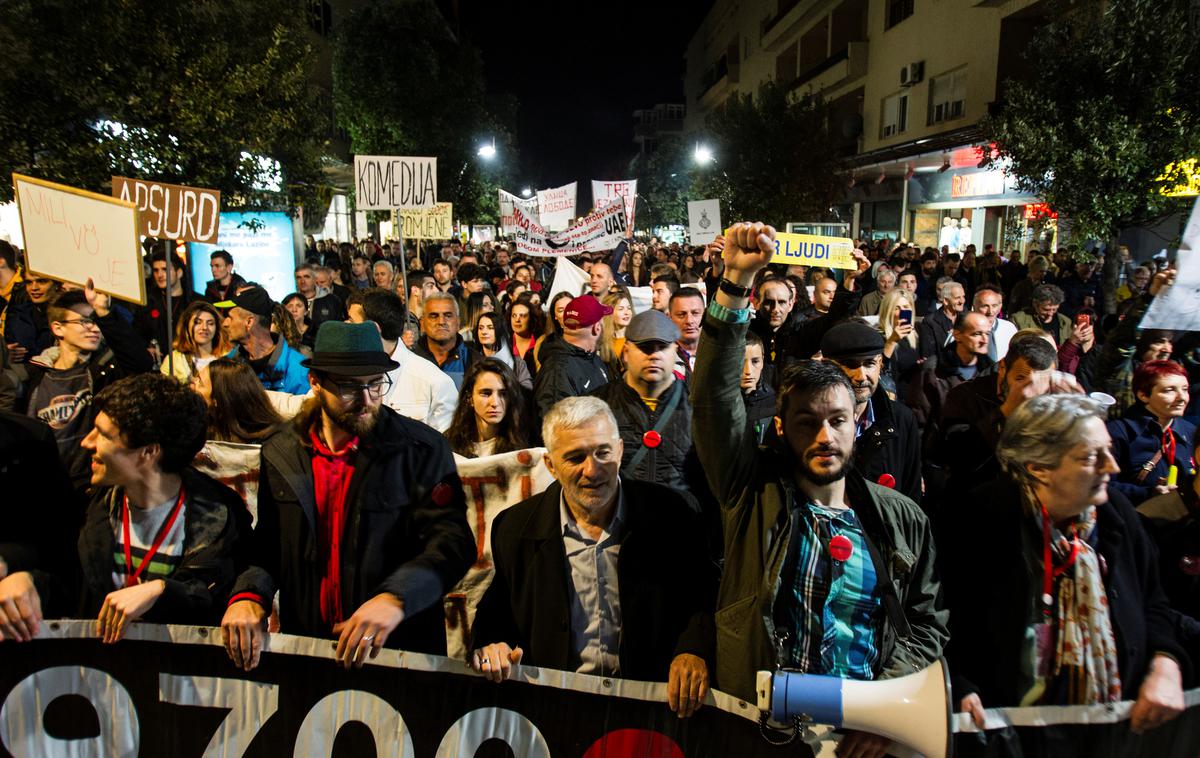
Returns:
point(361, 516)
point(887, 447)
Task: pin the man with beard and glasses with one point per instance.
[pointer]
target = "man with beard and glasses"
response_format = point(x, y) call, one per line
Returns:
point(841, 569)
point(361, 517)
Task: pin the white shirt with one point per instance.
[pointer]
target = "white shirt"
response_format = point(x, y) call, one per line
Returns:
point(1002, 332)
point(421, 390)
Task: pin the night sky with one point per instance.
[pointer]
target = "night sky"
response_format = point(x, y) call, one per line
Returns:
point(579, 70)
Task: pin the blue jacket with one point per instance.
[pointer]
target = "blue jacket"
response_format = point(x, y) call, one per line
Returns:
point(283, 372)
point(1136, 437)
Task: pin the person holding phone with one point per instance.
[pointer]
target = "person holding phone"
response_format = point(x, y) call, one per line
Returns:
point(901, 349)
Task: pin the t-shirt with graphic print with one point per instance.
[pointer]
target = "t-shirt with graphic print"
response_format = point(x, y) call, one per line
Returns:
point(63, 399)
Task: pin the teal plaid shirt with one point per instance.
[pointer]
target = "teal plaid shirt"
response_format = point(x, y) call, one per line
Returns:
point(829, 613)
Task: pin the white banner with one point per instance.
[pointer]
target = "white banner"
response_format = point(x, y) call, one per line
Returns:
point(235, 465)
point(604, 193)
point(387, 182)
point(704, 220)
point(598, 232)
point(556, 207)
point(509, 202)
point(492, 484)
point(1178, 308)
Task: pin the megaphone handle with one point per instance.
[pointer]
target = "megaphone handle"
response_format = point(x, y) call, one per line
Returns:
point(767, 731)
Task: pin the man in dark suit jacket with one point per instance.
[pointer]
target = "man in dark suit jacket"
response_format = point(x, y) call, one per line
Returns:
point(599, 575)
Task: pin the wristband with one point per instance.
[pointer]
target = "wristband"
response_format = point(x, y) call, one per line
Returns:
point(253, 597)
point(733, 290)
point(729, 315)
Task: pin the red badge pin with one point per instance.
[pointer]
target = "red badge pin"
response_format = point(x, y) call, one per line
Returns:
point(841, 548)
point(887, 480)
point(442, 494)
point(651, 439)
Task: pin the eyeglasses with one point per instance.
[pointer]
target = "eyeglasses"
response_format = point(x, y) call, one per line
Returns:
point(86, 323)
point(351, 390)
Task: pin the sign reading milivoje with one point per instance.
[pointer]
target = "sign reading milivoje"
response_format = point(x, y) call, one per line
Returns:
point(172, 211)
point(599, 231)
point(385, 182)
point(814, 250)
point(74, 235)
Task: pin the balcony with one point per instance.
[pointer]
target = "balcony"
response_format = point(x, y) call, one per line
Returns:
point(780, 29)
point(849, 63)
point(662, 126)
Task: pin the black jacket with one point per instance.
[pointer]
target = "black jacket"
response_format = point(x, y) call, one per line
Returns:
point(216, 540)
point(406, 529)
point(990, 558)
point(325, 308)
point(932, 334)
point(150, 320)
point(567, 371)
point(760, 411)
point(27, 325)
point(667, 584)
point(891, 445)
point(215, 293)
point(663, 464)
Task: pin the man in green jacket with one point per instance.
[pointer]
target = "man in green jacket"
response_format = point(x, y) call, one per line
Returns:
point(824, 572)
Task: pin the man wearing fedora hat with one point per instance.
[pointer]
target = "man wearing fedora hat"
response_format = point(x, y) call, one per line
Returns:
point(361, 516)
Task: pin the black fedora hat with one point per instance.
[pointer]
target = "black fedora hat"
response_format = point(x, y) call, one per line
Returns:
point(349, 350)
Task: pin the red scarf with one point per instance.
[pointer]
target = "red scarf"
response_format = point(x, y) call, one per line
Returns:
point(332, 472)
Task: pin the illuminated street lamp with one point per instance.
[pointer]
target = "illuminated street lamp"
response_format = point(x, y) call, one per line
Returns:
point(487, 151)
point(703, 154)
point(526, 192)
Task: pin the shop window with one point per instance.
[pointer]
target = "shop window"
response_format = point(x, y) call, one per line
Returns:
point(948, 96)
point(895, 115)
point(897, 11)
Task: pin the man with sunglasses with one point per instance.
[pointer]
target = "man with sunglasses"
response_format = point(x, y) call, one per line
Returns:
point(361, 516)
point(93, 348)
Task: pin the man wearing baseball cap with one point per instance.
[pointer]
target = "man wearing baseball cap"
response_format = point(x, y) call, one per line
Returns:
point(247, 324)
point(887, 450)
point(570, 367)
point(361, 516)
point(651, 405)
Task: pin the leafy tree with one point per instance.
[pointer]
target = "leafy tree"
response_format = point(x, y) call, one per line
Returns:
point(775, 160)
point(665, 178)
point(404, 86)
point(1113, 98)
point(197, 88)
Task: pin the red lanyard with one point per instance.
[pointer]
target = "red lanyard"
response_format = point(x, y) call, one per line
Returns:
point(131, 576)
point(1168, 446)
point(1049, 572)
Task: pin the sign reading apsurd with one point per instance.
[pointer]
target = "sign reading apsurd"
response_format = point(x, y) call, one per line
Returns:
point(172, 211)
point(385, 182)
point(74, 235)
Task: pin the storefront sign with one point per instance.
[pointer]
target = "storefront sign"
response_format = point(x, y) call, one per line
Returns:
point(977, 185)
point(1035, 211)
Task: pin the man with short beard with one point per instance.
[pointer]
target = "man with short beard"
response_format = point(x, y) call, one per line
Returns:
point(797, 516)
point(361, 517)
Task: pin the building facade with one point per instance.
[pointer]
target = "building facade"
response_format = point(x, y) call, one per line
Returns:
point(908, 82)
point(652, 125)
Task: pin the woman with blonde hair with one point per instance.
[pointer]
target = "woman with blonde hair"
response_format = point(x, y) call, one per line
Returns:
point(612, 335)
point(199, 341)
point(901, 353)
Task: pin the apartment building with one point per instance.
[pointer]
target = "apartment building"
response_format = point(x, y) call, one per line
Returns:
point(907, 81)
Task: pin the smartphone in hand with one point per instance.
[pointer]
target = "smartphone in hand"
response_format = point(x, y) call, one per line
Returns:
point(906, 315)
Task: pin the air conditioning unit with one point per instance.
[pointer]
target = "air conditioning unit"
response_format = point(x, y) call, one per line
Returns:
point(912, 74)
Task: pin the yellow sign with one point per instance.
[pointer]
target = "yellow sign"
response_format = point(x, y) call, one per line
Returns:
point(813, 250)
point(1186, 176)
point(427, 223)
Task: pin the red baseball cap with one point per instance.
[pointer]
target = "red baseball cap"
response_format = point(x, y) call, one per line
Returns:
point(584, 311)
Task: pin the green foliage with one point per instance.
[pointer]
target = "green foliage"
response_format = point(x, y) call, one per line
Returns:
point(665, 178)
point(1114, 98)
point(404, 86)
point(196, 84)
point(774, 161)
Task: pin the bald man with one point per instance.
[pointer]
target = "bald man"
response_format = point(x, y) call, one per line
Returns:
point(601, 279)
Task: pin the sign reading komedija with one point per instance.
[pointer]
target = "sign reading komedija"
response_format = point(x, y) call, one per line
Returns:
point(597, 232)
point(385, 182)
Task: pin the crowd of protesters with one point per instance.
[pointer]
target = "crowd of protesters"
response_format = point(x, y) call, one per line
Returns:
point(850, 473)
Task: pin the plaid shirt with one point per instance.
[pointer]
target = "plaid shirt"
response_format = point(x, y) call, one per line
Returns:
point(830, 613)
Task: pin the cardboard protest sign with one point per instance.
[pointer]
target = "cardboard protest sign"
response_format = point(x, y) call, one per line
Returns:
point(74, 235)
point(172, 211)
point(434, 223)
point(604, 193)
point(385, 182)
point(1178, 307)
point(492, 484)
point(704, 220)
point(600, 231)
point(508, 202)
point(556, 207)
point(814, 250)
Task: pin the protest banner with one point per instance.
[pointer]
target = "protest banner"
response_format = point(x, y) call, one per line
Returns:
point(814, 250)
point(385, 182)
point(172, 690)
point(704, 220)
point(434, 223)
point(235, 465)
point(74, 235)
point(492, 484)
point(556, 207)
point(172, 211)
point(604, 193)
point(568, 278)
point(597, 232)
point(509, 202)
point(1178, 307)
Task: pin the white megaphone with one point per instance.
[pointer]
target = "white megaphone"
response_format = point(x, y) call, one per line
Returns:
point(914, 710)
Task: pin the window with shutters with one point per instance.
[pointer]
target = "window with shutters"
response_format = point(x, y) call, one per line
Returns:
point(894, 118)
point(948, 96)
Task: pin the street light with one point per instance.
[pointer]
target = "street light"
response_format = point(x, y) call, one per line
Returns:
point(487, 151)
point(703, 154)
point(526, 192)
